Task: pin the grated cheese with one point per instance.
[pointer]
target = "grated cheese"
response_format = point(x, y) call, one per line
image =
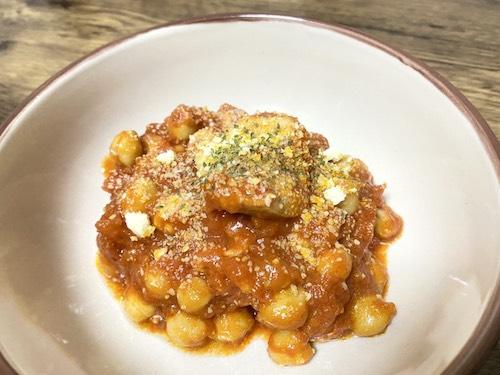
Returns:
point(138, 223)
point(166, 157)
point(334, 194)
point(332, 155)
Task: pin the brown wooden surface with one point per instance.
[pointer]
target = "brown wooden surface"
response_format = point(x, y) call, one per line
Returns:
point(459, 38)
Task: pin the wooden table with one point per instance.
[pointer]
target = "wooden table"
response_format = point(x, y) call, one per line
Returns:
point(459, 38)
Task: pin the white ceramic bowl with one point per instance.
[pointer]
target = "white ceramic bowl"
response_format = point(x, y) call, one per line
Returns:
point(414, 130)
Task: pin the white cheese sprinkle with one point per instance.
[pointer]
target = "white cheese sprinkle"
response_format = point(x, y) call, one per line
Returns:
point(334, 194)
point(166, 157)
point(332, 155)
point(138, 223)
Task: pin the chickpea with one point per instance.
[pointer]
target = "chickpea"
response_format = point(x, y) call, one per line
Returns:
point(350, 204)
point(388, 224)
point(181, 124)
point(136, 308)
point(233, 326)
point(371, 315)
point(139, 195)
point(336, 264)
point(157, 283)
point(127, 146)
point(287, 309)
point(277, 277)
point(193, 295)
point(289, 348)
point(187, 331)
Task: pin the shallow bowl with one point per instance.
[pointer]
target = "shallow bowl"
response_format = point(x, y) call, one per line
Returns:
point(413, 129)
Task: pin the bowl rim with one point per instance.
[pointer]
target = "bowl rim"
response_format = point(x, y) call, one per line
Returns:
point(487, 332)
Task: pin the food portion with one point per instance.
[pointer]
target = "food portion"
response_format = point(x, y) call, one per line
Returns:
point(222, 222)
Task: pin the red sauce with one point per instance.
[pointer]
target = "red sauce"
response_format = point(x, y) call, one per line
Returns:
point(245, 260)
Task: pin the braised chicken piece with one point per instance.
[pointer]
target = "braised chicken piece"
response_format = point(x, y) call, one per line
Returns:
point(259, 166)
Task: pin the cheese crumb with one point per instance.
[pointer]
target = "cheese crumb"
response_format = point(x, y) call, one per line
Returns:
point(332, 155)
point(166, 157)
point(334, 194)
point(138, 223)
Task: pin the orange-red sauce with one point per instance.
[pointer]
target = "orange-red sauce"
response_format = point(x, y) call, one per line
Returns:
point(243, 259)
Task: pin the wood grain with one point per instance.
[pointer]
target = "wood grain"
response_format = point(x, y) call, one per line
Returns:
point(459, 38)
